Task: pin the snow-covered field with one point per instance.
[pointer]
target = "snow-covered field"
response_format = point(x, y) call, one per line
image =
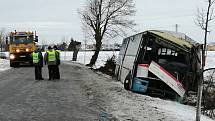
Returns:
point(83, 57)
point(210, 60)
point(126, 104)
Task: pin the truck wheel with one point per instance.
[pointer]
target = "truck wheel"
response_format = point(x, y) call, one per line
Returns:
point(13, 64)
point(31, 64)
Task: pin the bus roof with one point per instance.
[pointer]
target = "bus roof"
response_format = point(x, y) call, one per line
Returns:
point(175, 37)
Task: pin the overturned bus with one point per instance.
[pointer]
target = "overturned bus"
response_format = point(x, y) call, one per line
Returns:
point(160, 63)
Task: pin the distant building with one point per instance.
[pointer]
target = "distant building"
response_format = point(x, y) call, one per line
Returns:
point(211, 47)
point(91, 47)
point(114, 46)
point(43, 47)
point(104, 47)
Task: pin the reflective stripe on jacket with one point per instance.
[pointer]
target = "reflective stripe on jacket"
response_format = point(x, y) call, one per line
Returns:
point(35, 57)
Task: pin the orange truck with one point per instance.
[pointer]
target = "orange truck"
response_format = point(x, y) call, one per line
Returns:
point(21, 45)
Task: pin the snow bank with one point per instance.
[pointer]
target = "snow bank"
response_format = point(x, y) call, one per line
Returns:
point(125, 105)
point(210, 59)
point(4, 64)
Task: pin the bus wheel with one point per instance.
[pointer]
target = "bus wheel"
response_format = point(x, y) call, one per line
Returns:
point(126, 84)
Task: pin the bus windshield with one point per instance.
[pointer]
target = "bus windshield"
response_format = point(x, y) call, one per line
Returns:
point(21, 39)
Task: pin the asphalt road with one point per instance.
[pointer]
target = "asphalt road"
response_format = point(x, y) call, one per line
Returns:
point(24, 99)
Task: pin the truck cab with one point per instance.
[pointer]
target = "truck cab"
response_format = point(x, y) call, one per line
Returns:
point(21, 45)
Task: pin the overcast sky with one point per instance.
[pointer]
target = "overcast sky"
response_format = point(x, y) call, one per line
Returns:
point(55, 20)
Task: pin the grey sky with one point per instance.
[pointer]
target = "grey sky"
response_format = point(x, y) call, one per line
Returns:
point(57, 19)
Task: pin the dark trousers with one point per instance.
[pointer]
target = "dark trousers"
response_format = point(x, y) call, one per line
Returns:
point(38, 72)
point(51, 69)
point(57, 72)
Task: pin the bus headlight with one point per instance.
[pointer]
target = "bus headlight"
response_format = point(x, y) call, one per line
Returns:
point(17, 50)
point(12, 56)
point(26, 49)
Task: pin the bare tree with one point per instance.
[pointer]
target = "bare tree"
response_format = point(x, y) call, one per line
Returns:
point(107, 18)
point(203, 20)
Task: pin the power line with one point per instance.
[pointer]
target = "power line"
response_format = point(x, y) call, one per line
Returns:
point(164, 17)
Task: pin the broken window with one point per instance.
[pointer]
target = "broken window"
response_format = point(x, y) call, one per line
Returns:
point(174, 60)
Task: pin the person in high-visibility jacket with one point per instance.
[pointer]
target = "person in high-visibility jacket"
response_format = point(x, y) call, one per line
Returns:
point(56, 71)
point(38, 64)
point(51, 60)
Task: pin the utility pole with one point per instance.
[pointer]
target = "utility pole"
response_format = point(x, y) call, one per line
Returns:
point(176, 28)
point(1, 40)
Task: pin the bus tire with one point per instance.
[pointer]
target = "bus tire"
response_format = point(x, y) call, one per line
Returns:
point(126, 84)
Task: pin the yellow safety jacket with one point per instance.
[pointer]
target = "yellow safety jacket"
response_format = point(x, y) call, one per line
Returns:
point(58, 51)
point(35, 57)
point(51, 58)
